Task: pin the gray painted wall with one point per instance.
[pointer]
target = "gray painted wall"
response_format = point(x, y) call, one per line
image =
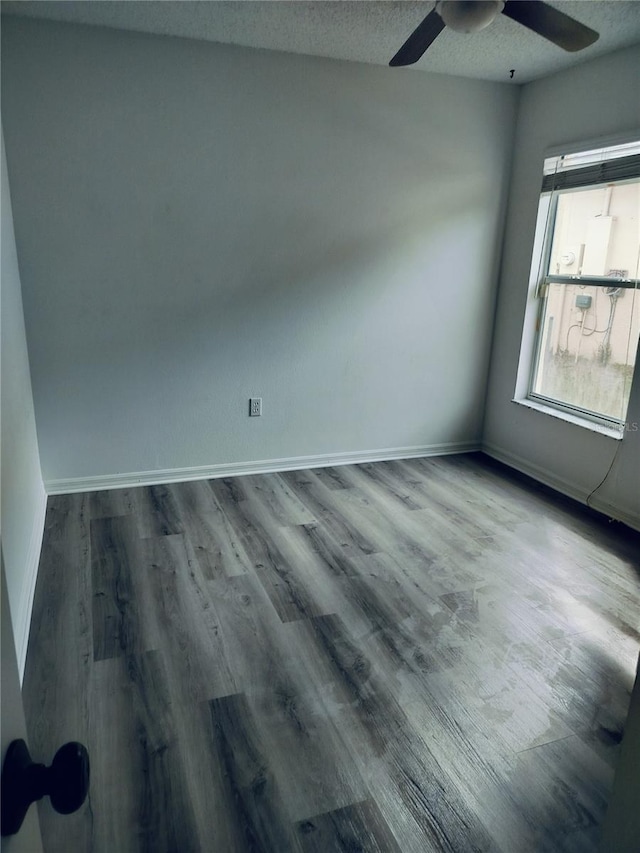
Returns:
point(200, 223)
point(598, 99)
point(22, 496)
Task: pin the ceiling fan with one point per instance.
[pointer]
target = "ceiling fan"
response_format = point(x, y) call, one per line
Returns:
point(470, 16)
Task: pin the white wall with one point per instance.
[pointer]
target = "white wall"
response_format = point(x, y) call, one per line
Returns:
point(597, 99)
point(200, 223)
point(621, 827)
point(22, 496)
point(13, 727)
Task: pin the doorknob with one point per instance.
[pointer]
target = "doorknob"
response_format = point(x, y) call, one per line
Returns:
point(66, 782)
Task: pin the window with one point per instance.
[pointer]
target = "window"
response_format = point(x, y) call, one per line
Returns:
point(587, 284)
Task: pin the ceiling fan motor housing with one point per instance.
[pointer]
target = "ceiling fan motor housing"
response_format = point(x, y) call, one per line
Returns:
point(468, 16)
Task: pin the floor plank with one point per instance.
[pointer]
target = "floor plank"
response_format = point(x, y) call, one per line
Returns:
point(359, 826)
point(58, 679)
point(214, 541)
point(285, 588)
point(254, 804)
point(116, 627)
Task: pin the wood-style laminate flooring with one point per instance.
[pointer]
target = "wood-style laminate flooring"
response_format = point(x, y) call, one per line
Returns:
point(415, 656)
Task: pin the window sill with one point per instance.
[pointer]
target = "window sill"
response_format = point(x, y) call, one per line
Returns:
point(611, 432)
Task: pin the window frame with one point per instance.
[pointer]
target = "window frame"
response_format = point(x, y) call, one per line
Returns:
point(554, 184)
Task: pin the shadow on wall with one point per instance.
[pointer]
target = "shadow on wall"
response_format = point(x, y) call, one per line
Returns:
point(308, 286)
point(299, 257)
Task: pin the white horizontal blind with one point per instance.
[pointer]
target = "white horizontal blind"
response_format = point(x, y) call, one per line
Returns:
point(586, 168)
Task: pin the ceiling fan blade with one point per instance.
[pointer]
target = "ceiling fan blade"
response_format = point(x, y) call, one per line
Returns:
point(551, 24)
point(419, 40)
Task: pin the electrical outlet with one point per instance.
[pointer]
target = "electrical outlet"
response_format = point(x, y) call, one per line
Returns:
point(255, 407)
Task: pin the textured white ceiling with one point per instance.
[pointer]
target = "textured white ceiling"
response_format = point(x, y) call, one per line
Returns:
point(357, 30)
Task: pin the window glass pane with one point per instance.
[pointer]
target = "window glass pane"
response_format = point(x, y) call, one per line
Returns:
point(589, 333)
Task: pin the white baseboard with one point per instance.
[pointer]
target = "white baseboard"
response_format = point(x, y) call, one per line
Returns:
point(23, 617)
point(561, 485)
point(234, 469)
